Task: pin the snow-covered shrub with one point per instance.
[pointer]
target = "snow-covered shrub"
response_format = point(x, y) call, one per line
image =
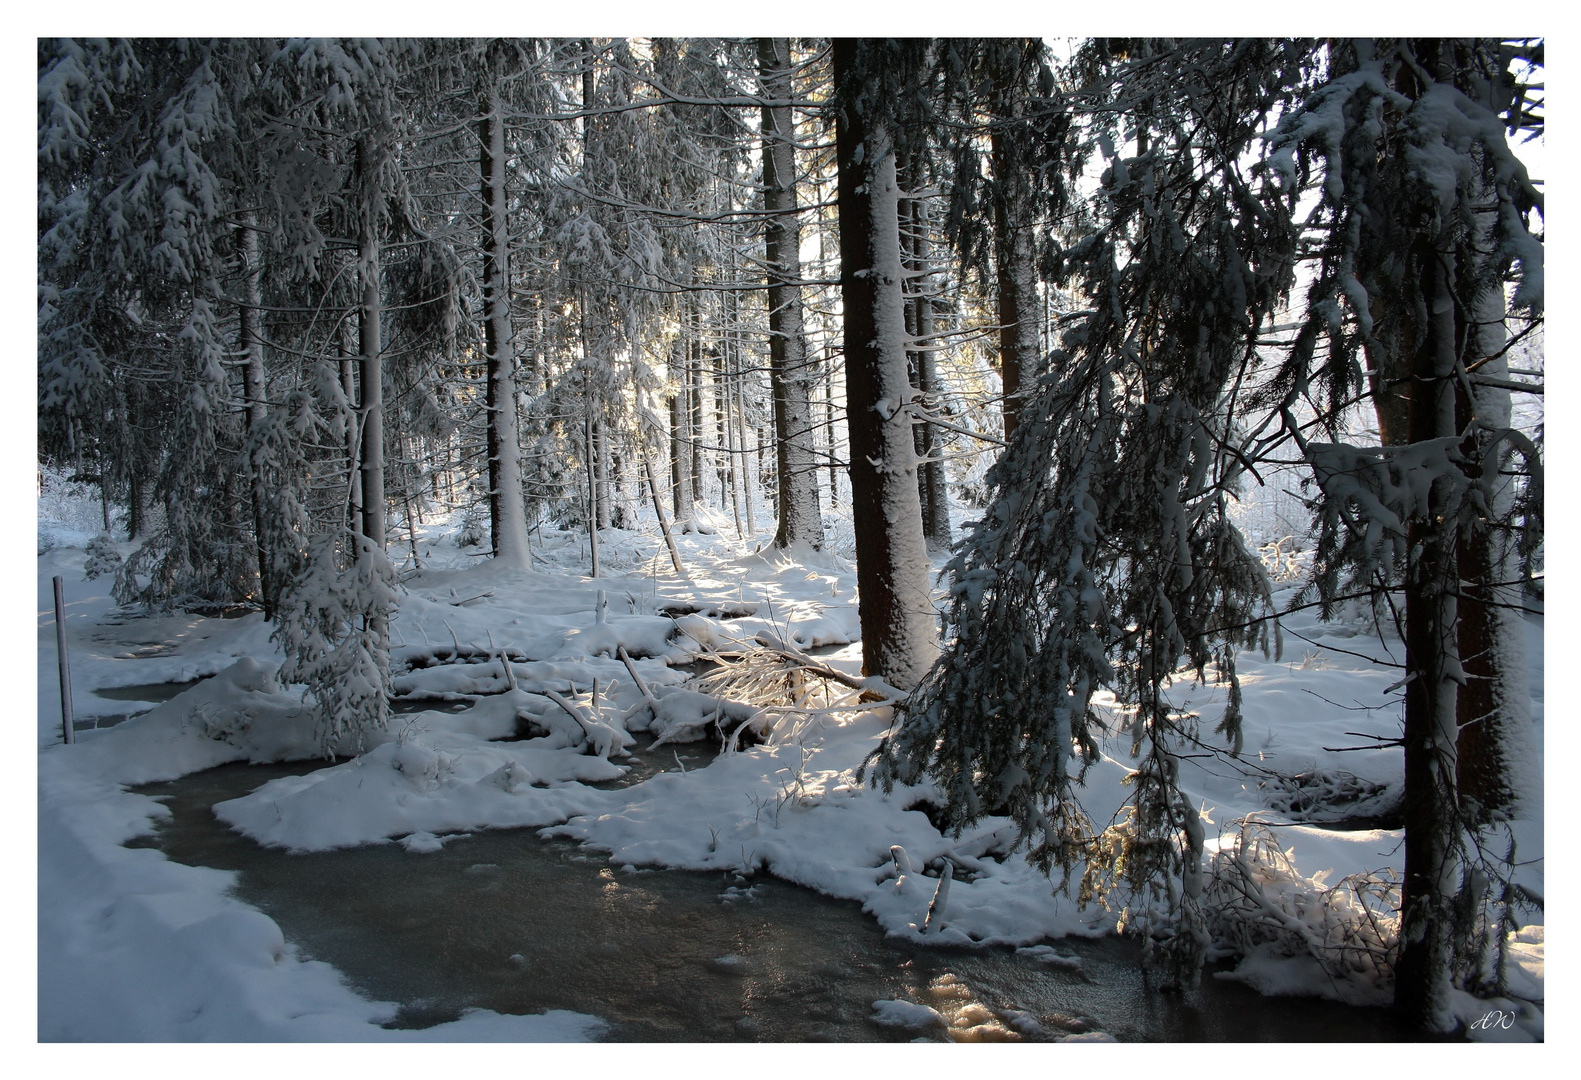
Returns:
point(474, 530)
point(1327, 795)
point(334, 625)
point(103, 558)
point(1286, 560)
point(1257, 903)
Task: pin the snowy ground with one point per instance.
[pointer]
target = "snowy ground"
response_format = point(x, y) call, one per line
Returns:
point(134, 947)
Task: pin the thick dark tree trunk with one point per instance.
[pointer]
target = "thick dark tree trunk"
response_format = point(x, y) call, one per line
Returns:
point(899, 634)
point(1432, 656)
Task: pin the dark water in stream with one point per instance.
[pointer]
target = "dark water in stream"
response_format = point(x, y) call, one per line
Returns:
point(506, 921)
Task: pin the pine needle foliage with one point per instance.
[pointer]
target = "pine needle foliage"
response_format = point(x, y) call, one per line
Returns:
point(1106, 557)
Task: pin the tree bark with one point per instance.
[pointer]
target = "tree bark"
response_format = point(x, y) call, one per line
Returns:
point(348, 387)
point(694, 400)
point(680, 439)
point(931, 481)
point(253, 379)
point(790, 373)
point(507, 506)
point(1014, 222)
point(371, 361)
point(899, 637)
point(1432, 657)
point(1495, 750)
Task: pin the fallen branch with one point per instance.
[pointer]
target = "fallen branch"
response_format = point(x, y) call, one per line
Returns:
point(604, 738)
point(871, 687)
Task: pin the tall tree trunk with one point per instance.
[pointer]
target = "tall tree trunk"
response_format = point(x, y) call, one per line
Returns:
point(680, 438)
point(1495, 747)
point(1422, 974)
point(899, 637)
point(348, 387)
point(601, 485)
point(790, 373)
point(728, 422)
point(935, 504)
point(507, 505)
point(1495, 752)
point(371, 361)
point(694, 399)
point(253, 380)
point(1014, 222)
point(589, 453)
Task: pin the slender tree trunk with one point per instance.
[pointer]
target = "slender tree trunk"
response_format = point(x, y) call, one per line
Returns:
point(790, 371)
point(589, 452)
point(601, 492)
point(348, 387)
point(1014, 221)
point(694, 392)
point(935, 504)
point(507, 506)
point(721, 463)
point(680, 437)
point(739, 420)
point(253, 379)
point(728, 421)
point(371, 361)
point(899, 637)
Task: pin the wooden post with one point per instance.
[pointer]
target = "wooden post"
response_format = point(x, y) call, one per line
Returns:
point(65, 667)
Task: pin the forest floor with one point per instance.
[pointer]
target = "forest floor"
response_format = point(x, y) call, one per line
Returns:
point(135, 947)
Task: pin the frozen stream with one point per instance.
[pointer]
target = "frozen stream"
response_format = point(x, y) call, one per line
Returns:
point(506, 921)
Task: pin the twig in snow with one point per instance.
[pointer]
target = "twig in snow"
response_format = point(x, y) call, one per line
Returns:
point(935, 920)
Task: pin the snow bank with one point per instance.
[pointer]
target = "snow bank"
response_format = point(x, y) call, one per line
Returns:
point(208, 967)
point(135, 948)
point(436, 782)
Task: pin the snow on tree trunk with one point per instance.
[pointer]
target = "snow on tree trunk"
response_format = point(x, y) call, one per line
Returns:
point(348, 385)
point(600, 477)
point(253, 379)
point(507, 507)
point(371, 362)
point(931, 482)
point(899, 623)
point(680, 438)
point(1495, 755)
point(790, 370)
point(1432, 656)
point(694, 400)
point(1013, 253)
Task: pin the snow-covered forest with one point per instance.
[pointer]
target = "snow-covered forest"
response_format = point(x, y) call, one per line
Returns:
point(1039, 496)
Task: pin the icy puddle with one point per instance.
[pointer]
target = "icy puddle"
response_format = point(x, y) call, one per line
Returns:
point(149, 694)
point(504, 920)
